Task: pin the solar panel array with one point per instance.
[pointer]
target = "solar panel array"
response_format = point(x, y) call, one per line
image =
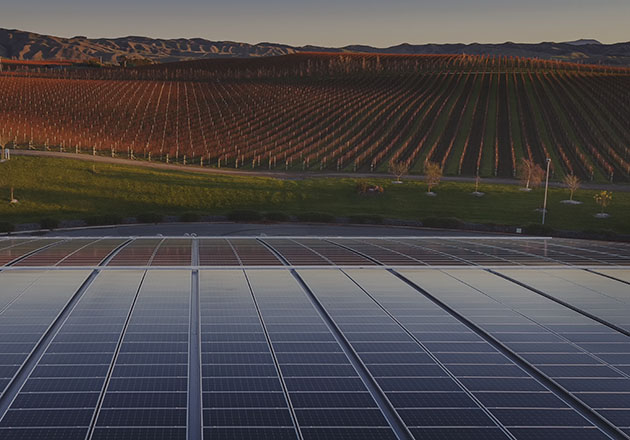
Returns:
point(314, 338)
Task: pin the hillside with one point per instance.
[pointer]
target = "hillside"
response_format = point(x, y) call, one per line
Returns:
point(22, 45)
point(473, 115)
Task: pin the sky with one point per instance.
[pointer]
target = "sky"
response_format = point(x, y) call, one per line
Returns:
point(328, 22)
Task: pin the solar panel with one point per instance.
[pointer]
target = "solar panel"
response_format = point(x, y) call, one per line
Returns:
point(21, 249)
point(335, 254)
point(139, 252)
point(251, 252)
point(173, 252)
point(217, 252)
point(543, 326)
point(61, 395)
point(297, 254)
point(146, 394)
point(243, 395)
point(92, 254)
point(281, 300)
point(312, 338)
point(54, 254)
point(595, 295)
point(405, 306)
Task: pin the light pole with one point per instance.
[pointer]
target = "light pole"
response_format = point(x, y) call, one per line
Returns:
point(546, 188)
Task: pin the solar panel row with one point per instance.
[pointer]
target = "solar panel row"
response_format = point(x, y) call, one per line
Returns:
point(140, 252)
point(315, 353)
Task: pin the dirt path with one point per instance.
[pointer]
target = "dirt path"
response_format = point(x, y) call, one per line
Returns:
point(289, 175)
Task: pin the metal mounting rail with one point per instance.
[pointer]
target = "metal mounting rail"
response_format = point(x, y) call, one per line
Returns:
point(389, 412)
point(195, 413)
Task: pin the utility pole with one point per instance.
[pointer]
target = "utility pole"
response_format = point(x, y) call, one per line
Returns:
point(546, 189)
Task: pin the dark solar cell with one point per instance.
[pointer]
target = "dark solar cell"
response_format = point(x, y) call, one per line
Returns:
point(43, 433)
point(576, 433)
point(247, 417)
point(453, 399)
point(142, 417)
point(371, 433)
point(127, 433)
point(241, 384)
point(332, 400)
point(439, 433)
point(539, 417)
point(445, 417)
point(244, 400)
point(340, 417)
point(145, 400)
point(504, 399)
point(59, 400)
point(46, 417)
point(325, 384)
point(257, 433)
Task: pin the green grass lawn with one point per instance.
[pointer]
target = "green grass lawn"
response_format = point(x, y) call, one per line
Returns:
point(68, 189)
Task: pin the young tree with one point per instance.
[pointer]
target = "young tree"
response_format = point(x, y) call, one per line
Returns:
point(603, 199)
point(432, 174)
point(530, 173)
point(398, 169)
point(573, 184)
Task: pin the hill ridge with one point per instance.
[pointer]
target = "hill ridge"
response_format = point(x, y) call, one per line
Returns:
point(23, 45)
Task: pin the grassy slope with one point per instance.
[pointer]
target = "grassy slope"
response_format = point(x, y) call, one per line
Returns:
point(68, 189)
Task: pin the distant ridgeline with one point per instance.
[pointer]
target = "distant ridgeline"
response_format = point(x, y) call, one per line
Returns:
point(347, 112)
point(299, 65)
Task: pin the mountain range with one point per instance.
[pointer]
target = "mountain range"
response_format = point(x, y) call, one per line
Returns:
point(21, 45)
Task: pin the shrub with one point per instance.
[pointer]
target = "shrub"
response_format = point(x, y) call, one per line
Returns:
point(106, 219)
point(316, 217)
point(277, 216)
point(189, 217)
point(364, 187)
point(245, 215)
point(602, 234)
point(6, 227)
point(538, 229)
point(49, 223)
point(366, 219)
point(443, 222)
point(149, 217)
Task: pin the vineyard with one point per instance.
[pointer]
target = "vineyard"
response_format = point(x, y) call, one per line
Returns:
point(472, 115)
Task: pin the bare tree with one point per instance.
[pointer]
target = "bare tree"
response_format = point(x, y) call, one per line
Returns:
point(398, 169)
point(530, 173)
point(573, 184)
point(432, 174)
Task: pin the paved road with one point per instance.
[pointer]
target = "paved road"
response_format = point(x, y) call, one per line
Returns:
point(258, 229)
point(280, 174)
